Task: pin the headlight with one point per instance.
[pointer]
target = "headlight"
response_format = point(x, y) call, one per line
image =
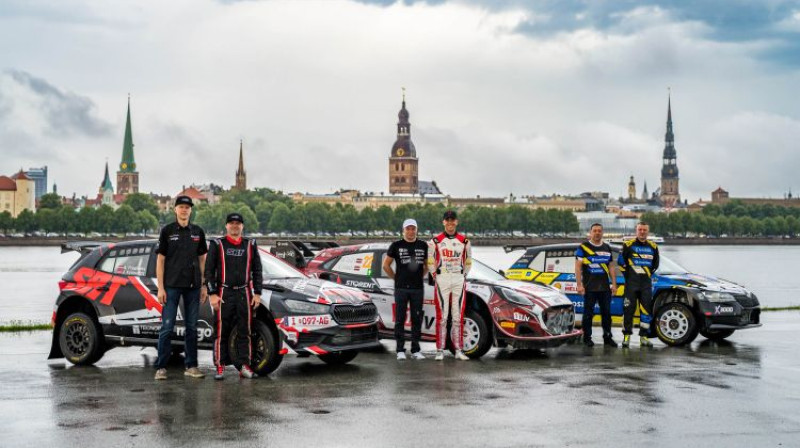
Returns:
point(302, 306)
point(714, 296)
point(515, 297)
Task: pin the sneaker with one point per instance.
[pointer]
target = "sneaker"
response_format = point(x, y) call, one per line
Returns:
point(401, 356)
point(588, 342)
point(439, 355)
point(626, 341)
point(461, 356)
point(644, 342)
point(417, 355)
point(220, 375)
point(247, 372)
point(194, 372)
point(609, 342)
point(161, 374)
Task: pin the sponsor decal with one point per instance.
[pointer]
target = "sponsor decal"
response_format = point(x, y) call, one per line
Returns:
point(508, 324)
point(481, 291)
point(234, 252)
point(300, 286)
point(496, 310)
point(521, 317)
point(723, 309)
point(202, 333)
point(570, 287)
point(359, 284)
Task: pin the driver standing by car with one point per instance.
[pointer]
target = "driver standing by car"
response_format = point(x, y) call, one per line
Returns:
point(233, 273)
point(449, 260)
point(639, 260)
point(179, 271)
point(594, 267)
point(410, 256)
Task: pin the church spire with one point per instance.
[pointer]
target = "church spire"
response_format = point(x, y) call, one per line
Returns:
point(670, 193)
point(128, 164)
point(106, 185)
point(241, 175)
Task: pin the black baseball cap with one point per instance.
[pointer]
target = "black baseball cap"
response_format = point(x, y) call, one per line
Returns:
point(184, 200)
point(234, 217)
point(450, 214)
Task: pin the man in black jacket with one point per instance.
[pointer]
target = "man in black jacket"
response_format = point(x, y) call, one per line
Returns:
point(639, 259)
point(233, 272)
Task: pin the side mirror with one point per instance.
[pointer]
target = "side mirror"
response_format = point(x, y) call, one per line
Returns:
point(502, 272)
point(326, 276)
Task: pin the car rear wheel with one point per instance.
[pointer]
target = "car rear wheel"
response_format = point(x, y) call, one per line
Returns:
point(716, 335)
point(79, 338)
point(477, 340)
point(339, 358)
point(265, 351)
point(675, 324)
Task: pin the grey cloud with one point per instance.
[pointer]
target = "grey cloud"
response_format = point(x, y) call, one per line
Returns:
point(66, 113)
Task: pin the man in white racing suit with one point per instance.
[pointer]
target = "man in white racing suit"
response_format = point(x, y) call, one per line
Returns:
point(449, 261)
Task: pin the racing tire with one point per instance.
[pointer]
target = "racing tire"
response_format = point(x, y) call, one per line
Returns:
point(80, 340)
point(477, 340)
point(675, 324)
point(716, 335)
point(339, 358)
point(266, 352)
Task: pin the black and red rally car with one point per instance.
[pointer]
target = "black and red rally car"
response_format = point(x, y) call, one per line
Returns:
point(499, 311)
point(108, 299)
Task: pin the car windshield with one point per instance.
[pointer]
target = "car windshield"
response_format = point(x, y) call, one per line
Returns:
point(667, 266)
point(274, 268)
point(480, 271)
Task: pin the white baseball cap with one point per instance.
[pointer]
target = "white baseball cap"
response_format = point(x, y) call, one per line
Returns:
point(409, 222)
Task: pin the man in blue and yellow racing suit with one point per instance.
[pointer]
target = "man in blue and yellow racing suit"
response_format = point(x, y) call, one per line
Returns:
point(639, 260)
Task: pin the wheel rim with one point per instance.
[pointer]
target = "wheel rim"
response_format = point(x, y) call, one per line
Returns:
point(674, 324)
point(260, 349)
point(471, 333)
point(77, 338)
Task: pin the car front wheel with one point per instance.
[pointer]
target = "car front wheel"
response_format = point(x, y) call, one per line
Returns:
point(477, 340)
point(265, 350)
point(675, 324)
point(79, 338)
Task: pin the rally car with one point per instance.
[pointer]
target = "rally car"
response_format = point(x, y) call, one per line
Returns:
point(684, 304)
point(499, 312)
point(108, 299)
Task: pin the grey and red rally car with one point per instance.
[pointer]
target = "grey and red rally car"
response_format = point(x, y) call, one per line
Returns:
point(108, 299)
point(499, 312)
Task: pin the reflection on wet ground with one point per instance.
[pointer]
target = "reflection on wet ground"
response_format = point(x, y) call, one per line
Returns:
point(738, 393)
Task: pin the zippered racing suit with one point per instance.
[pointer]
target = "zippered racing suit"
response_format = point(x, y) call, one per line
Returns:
point(639, 260)
point(449, 261)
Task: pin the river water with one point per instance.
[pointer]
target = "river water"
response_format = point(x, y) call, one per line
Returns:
point(29, 275)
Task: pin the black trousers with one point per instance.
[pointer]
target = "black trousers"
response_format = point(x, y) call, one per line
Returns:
point(235, 311)
point(638, 297)
point(603, 299)
point(402, 299)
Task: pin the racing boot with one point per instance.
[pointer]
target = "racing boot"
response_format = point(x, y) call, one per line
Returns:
point(439, 355)
point(608, 341)
point(626, 341)
point(247, 372)
point(644, 341)
point(401, 356)
point(461, 356)
point(220, 375)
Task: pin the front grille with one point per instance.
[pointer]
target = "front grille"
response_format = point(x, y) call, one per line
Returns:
point(355, 336)
point(747, 301)
point(559, 320)
point(355, 314)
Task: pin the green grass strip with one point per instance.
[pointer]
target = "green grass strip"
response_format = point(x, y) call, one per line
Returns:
point(19, 326)
point(781, 308)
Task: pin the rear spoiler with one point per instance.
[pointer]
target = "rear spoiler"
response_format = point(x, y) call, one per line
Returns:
point(512, 247)
point(299, 253)
point(80, 246)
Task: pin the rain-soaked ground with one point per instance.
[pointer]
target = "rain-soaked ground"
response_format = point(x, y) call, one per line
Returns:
point(742, 393)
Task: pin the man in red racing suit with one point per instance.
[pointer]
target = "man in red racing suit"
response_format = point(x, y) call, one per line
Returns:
point(449, 261)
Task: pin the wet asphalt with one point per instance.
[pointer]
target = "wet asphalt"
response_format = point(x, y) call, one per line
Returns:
point(742, 393)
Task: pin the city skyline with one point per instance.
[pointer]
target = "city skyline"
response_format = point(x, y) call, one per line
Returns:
point(523, 99)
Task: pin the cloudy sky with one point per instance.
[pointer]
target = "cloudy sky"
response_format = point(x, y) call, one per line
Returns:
point(528, 97)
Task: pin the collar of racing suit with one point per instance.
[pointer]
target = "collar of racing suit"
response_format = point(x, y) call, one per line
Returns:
point(233, 241)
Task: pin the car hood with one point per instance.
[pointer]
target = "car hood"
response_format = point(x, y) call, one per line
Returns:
point(318, 291)
point(705, 282)
point(548, 294)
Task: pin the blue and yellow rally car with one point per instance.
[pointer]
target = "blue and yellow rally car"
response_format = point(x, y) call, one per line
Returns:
point(684, 304)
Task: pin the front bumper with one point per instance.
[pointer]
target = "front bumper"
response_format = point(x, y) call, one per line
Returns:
point(730, 315)
point(533, 342)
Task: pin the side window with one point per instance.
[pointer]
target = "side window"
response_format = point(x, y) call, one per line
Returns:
point(355, 264)
point(537, 264)
point(127, 261)
point(561, 261)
